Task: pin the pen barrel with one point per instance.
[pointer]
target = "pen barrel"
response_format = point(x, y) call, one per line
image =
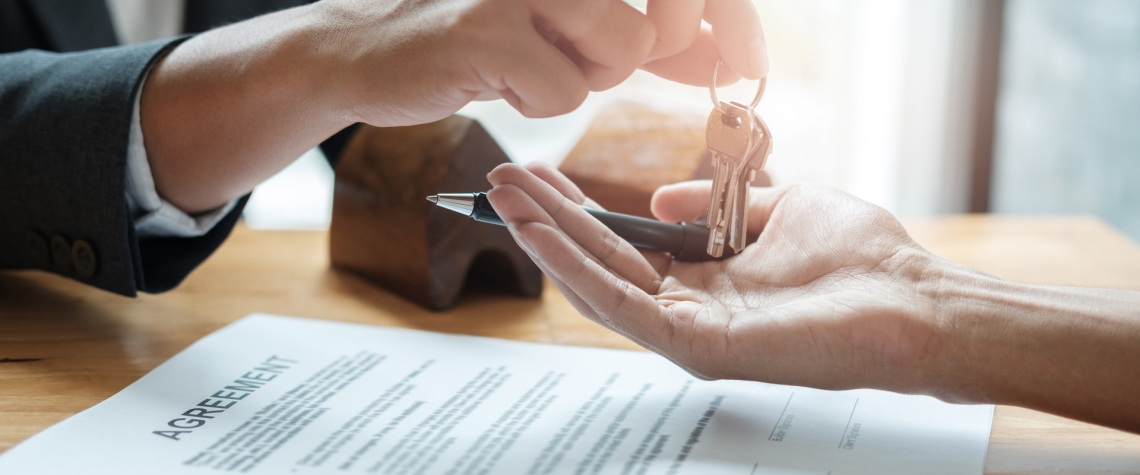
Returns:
point(695, 247)
point(647, 234)
point(685, 242)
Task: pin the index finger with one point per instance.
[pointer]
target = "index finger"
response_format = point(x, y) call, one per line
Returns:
point(739, 36)
point(611, 37)
point(609, 248)
point(619, 305)
point(677, 25)
point(694, 65)
point(686, 50)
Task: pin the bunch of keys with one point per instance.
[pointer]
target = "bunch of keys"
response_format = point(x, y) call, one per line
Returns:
point(739, 142)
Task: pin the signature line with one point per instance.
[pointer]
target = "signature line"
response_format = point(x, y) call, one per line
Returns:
point(781, 416)
point(845, 429)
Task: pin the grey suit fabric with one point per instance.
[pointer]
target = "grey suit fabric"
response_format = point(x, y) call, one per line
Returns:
point(64, 125)
point(66, 97)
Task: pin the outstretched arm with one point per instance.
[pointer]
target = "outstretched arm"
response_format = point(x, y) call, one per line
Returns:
point(231, 107)
point(835, 295)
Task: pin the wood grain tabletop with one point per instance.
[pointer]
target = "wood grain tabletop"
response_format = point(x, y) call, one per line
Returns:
point(65, 347)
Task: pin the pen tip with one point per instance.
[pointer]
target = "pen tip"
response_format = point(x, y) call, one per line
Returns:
point(433, 199)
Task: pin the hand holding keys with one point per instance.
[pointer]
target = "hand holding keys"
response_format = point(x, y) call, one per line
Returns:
point(739, 142)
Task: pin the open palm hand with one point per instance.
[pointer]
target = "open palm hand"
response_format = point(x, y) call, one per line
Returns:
point(828, 295)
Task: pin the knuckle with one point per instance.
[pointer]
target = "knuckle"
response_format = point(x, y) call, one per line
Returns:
point(592, 14)
point(610, 246)
point(556, 213)
point(673, 42)
point(620, 298)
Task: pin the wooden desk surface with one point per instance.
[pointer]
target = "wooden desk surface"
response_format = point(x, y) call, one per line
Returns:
point(65, 347)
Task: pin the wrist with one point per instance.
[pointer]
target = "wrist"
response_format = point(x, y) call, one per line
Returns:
point(311, 65)
point(928, 284)
point(290, 62)
point(1063, 350)
point(962, 303)
point(232, 106)
point(332, 60)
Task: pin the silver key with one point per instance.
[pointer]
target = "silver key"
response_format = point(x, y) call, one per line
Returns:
point(736, 158)
point(761, 149)
point(729, 134)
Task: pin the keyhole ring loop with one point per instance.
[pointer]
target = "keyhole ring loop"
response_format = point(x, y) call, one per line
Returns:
point(755, 100)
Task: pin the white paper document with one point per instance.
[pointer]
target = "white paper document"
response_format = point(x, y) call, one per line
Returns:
point(283, 395)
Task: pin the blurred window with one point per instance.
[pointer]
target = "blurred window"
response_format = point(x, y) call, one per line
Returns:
point(1068, 135)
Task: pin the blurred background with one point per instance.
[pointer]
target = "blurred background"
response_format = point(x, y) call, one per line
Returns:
point(924, 107)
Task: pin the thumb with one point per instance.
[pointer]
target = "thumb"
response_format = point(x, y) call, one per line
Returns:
point(689, 202)
point(681, 202)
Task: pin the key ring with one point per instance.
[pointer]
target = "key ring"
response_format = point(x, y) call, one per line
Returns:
point(716, 102)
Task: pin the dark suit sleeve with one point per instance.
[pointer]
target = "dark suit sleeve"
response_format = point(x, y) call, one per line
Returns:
point(64, 126)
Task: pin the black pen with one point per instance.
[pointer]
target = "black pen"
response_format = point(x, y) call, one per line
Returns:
point(685, 242)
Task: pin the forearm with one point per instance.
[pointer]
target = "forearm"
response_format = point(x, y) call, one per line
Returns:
point(229, 108)
point(1068, 351)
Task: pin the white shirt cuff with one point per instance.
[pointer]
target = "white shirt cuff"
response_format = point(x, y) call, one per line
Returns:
point(152, 215)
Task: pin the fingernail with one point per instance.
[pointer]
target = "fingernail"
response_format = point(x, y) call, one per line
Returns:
point(758, 57)
point(494, 169)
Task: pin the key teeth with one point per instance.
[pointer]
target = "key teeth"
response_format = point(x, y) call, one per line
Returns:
point(716, 241)
point(727, 215)
point(715, 249)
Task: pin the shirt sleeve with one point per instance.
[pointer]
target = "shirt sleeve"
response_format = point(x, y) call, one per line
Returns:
point(152, 215)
